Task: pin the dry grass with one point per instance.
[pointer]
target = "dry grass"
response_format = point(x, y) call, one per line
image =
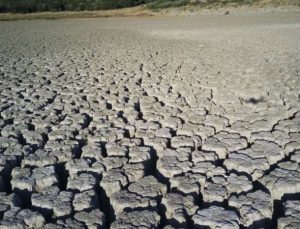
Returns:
point(280, 2)
point(126, 12)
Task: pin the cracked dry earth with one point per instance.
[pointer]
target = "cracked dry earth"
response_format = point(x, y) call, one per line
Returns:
point(183, 122)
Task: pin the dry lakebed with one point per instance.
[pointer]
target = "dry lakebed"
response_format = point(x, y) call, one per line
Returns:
point(151, 122)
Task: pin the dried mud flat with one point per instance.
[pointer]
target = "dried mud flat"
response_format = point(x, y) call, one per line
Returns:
point(163, 122)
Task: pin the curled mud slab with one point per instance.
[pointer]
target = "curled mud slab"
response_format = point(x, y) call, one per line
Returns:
point(163, 122)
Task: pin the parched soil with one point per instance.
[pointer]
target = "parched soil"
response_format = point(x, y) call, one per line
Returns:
point(154, 122)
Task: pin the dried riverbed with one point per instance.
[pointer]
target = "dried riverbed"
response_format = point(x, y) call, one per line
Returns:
point(154, 122)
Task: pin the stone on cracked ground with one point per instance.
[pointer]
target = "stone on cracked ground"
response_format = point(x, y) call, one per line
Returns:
point(93, 151)
point(9, 201)
point(148, 186)
point(123, 200)
point(85, 200)
point(255, 208)
point(140, 154)
point(39, 158)
point(53, 203)
point(188, 183)
point(178, 208)
point(113, 181)
point(33, 179)
point(284, 179)
point(220, 188)
point(67, 223)
point(223, 143)
point(82, 182)
point(94, 219)
point(22, 218)
point(291, 218)
point(135, 171)
point(208, 169)
point(84, 165)
point(296, 156)
point(256, 159)
point(137, 219)
point(174, 162)
point(216, 217)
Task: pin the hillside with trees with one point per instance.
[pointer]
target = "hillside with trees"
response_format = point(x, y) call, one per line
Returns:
point(29, 6)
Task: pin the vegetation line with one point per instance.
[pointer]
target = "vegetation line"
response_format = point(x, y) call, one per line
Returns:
point(61, 9)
